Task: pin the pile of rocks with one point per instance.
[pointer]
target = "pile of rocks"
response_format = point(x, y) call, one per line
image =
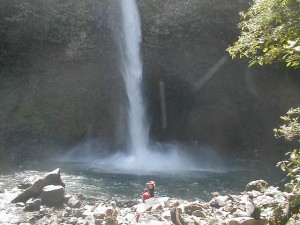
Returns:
point(45, 202)
point(49, 190)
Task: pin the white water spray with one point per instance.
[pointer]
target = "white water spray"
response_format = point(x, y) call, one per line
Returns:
point(142, 158)
point(132, 72)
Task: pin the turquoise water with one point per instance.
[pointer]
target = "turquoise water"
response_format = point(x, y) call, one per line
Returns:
point(187, 185)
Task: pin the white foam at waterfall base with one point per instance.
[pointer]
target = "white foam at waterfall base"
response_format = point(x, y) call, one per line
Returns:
point(150, 161)
point(161, 158)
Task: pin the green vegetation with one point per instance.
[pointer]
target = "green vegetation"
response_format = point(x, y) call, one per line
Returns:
point(270, 32)
point(290, 130)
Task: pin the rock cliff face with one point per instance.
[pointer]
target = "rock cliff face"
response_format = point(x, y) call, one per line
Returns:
point(60, 81)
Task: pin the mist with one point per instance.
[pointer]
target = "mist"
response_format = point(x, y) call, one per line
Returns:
point(159, 158)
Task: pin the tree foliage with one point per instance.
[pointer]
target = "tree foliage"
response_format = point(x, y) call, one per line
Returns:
point(270, 32)
point(290, 130)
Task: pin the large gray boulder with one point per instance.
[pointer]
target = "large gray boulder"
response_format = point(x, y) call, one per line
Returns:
point(52, 178)
point(52, 195)
point(257, 185)
point(34, 191)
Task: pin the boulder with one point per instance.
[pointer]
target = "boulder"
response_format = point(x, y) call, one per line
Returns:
point(53, 220)
point(189, 221)
point(77, 212)
point(34, 191)
point(73, 220)
point(88, 220)
point(198, 221)
point(32, 220)
point(257, 185)
point(199, 213)
point(33, 205)
point(156, 208)
point(99, 212)
point(67, 198)
point(53, 178)
point(246, 221)
point(190, 208)
point(74, 203)
point(52, 195)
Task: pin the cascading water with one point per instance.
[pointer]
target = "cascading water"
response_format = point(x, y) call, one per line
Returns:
point(142, 158)
point(132, 72)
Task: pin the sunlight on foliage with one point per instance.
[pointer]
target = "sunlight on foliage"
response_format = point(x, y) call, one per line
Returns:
point(270, 32)
point(291, 130)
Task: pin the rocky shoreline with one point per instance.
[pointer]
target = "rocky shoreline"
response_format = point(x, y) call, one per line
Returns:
point(45, 202)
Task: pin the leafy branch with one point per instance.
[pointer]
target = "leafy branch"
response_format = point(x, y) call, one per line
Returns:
point(289, 131)
point(270, 31)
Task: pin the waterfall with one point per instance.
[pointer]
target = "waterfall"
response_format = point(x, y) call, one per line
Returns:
point(132, 71)
point(142, 158)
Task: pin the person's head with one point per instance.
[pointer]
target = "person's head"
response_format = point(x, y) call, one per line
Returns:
point(151, 184)
point(176, 204)
point(145, 190)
